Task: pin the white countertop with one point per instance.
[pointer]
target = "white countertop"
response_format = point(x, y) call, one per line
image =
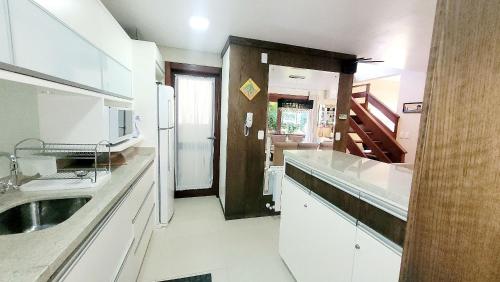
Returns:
point(384, 185)
point(36, 256)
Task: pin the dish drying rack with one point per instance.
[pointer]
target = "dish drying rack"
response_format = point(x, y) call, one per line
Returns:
point(95, 152)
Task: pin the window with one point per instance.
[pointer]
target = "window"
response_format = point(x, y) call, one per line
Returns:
point(294, 121)
point(272, 116)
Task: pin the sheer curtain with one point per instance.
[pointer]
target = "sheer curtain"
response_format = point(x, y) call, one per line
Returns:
point(195, 124)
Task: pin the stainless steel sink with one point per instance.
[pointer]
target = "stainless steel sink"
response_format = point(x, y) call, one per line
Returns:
point(39, 215)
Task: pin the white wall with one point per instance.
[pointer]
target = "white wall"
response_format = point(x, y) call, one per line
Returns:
point(95, 23)
point(223, 127)
point(412, 85)
point(18, 117)
point(190, 57)
point(71, 118)
point(385, 89)
point(144, 57)
point(144, 74)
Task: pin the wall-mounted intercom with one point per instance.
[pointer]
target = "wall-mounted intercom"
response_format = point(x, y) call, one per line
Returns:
point(248, 124)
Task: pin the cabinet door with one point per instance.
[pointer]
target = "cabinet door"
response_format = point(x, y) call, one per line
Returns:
point(43, 44)
point(102, 260)
point(373, 260)
point(332, 237)
point(293, 239)
point(116, 78)
point(5, 45)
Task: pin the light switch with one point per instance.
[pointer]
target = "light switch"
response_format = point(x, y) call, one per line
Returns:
point(260, 135)
point(342, 116)
point(263, 58)
point(337, 136)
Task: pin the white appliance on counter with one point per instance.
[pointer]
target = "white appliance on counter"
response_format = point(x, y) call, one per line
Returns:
point(121, 124)
point(166, 152)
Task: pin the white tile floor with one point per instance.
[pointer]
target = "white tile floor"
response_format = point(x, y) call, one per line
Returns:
point(198, 240)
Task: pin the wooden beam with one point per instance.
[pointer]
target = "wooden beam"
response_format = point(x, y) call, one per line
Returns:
point(273, 46)
point(343, 107)
point(273, 97)
point(454, 216)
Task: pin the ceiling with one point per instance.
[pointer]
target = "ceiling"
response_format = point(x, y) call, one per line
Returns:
point(398, 32)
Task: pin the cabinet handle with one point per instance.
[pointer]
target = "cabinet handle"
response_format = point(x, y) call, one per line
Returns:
point(305, 205)
point(357, 247)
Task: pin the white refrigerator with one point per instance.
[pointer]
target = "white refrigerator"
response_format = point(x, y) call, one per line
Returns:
point(166, 152)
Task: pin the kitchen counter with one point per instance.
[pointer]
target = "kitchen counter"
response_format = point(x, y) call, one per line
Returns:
point(36, 256)
point(386, 186)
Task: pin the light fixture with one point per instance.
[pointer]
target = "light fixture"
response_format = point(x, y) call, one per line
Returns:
point(294, 76)
point(199, 23)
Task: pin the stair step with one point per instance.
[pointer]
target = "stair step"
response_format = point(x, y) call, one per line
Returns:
point(367, 132)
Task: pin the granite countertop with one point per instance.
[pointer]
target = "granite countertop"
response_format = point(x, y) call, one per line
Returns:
point(385, 185)
point(36, 256)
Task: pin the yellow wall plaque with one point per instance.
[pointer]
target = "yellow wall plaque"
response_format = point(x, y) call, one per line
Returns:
point(250, 89)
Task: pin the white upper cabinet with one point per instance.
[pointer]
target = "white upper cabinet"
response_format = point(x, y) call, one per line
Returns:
point(45, 47)
point(5, 45)
point(42, 43)
point(116, 78)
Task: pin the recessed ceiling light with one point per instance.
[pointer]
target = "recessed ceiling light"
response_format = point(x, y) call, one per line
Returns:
point(199, 23)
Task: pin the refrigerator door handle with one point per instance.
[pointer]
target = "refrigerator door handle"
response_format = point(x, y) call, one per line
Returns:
point(168, 113)
point(168, 152)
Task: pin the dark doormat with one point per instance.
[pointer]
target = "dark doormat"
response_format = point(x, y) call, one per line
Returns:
point(197, 278)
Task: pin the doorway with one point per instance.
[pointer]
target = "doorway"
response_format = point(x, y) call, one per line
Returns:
point(300, 111)
point(197, 95)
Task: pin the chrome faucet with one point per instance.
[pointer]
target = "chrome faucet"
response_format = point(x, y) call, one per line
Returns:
point(11, 184)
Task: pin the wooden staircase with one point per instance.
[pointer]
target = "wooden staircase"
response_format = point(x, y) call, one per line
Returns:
point(368, 136)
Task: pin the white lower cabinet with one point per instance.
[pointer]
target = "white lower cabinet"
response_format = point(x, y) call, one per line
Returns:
point(320, 243)
point(331, 239)
point(115, 250)
point(102, 258)
point(374, 261)
point(294, 229)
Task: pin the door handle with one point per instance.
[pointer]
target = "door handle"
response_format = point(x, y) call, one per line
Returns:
point(211, 138)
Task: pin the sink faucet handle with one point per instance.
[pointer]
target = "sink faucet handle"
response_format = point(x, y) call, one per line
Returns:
point(11, 184)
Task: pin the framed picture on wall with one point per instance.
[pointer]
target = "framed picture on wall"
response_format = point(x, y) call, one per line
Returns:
point(415, 107)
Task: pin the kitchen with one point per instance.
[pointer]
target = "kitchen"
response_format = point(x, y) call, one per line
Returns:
point(123, 159)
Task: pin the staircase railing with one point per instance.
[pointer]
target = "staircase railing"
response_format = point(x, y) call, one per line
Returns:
point(379, 105)
point(379, 132)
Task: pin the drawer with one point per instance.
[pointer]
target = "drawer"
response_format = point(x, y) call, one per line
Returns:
point(141, 218)
point(141, 188)
point(102, 257)
point(144, 235)
point(130, 268)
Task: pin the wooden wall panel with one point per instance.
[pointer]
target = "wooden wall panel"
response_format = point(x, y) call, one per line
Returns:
point(246, 155)
point(343, 107)
point(454, 217)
